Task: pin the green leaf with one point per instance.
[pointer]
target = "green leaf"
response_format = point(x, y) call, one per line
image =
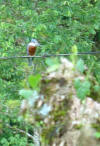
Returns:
point(51, 62)
point(57, 39)
point(74, 49)
point(53, 68)
point(97, 88)
point(26, 93)
point(82, 88)
point(97, 134)
point(77, 83)
point(80, 65)
point(34, 81)
point(74, 55)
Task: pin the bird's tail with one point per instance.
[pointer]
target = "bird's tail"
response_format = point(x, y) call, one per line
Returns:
point(30, 60)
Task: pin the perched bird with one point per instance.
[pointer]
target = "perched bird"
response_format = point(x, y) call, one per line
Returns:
point(31, 49)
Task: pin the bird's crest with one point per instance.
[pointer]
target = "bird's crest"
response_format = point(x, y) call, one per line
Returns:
point(34, 42)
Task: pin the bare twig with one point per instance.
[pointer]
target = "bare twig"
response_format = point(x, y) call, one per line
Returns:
point(50, 55)
point(35, 138)
point(21, 131)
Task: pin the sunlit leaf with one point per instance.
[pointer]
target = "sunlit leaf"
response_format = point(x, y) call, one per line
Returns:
point(34, 80)
point(97, 134)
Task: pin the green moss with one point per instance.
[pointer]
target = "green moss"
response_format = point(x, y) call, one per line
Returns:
point(61, 111)
point(96, 126)
point(58, 114)
point(48, 91)
point(54, 131)
point(38, 117)
point(79, 126)
point(48, 134)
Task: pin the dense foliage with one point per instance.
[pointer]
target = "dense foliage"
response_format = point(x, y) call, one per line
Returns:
point(59, 26)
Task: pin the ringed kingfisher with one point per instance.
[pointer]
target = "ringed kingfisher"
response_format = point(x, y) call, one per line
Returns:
point(31, 49)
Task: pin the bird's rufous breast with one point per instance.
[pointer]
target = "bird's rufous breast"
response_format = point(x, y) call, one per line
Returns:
point(32, 50)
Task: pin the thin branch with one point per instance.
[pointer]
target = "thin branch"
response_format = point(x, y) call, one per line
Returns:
point(21, 131)
point(50, 55)
point(35, 138)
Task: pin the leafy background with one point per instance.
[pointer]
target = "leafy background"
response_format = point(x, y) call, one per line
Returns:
point(58, 26)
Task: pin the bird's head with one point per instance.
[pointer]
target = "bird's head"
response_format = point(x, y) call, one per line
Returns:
point(35, 42)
